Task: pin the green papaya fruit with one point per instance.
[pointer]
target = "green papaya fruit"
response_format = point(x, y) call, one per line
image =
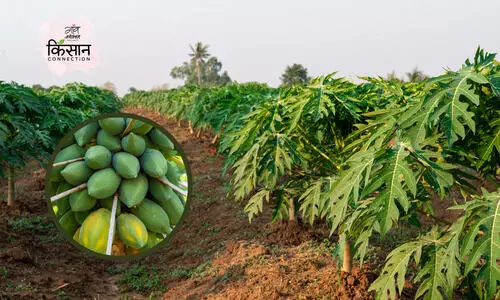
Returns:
point(113, 143)
point(153, 216)
point(76, 173)
point(149, 143)
point(108, 204)
point(167, 199)
point(140, 127)
point(81, 201)
point(173, 172)
point(70, 152)
point(98, 157)
point(70, 141)
point(126, 165)
point(153, 239)
point(84, 135)
point(103, 183)
point(154, 163)
point(95, 229)
point(160, 139)
point(133, 191)
point(80, 216)
point(113, 126)
point(134, 144)
point(63, 203)
point(131, 230)
point(68, 222)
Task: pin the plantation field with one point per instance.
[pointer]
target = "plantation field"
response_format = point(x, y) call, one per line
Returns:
point(216, 254)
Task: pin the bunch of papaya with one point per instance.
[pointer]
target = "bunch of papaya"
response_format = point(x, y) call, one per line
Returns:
point(122, 171)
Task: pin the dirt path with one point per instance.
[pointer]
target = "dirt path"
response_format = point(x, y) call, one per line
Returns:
point(216, 254)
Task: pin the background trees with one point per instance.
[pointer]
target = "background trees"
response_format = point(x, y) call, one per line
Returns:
point(295, 74)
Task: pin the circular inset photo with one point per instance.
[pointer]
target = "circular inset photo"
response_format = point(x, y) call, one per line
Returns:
point(118, 185)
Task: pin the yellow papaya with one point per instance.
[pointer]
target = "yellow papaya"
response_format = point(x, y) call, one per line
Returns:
point(134, 144)
point(77, 235)
point(113, 126)
point(98, 157)
point(103, 183)
point(113, 143)
point(81, 201)
point(131, 230)
point(133, 191)
point(76, 173)
point(84, 135)
point(153, 216)
point(126, 165)
point(94, 230)
point(154, 163)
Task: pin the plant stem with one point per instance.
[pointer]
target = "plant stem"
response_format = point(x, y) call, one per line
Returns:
point(62, 163)
point(11, 188)
point(215, 139)
point(111, 233)
point(347, 263)
point(68, 192)
point(171, 185)
point(190, 128)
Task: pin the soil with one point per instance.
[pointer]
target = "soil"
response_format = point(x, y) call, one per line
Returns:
point(215, 254)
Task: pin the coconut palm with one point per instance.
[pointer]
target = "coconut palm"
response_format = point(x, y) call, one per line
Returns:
point(198, 54)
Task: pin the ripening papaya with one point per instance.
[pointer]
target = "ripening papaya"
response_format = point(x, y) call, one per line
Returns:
point(154, 163)
point(167, 199)
point(98, 157)
point(76, 173)
point(103, 183)
point(140, 127)
point(81, 201)
point(153, 216)
point(84, 135)
point(94, 230)
point(77, 234)
point(133, 191)
point(160, 139)
point(134, 144)
point(108, 204)
point(113, 126)
point(63, 203)
point(68, 222)
point(70, 152)
point(113, 143)
point(126, 165)
point(132, 230)
point(153, 239)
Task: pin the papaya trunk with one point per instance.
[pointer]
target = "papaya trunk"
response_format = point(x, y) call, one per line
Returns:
point(198, 134)
point(11, 188)
point(291, 211)
point(179, 123)
point(190, 128)
point(347, 263)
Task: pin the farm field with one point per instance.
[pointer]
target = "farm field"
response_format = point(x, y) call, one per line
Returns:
point(323, 190)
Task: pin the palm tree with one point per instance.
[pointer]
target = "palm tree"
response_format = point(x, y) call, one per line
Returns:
point(198, 55)
point(416, 75)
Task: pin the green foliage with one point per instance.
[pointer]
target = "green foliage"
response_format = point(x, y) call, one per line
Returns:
point(140, 278)
point(366, 157)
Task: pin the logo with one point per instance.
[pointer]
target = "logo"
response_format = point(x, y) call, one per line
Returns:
point(68, 45)
point(64, 51)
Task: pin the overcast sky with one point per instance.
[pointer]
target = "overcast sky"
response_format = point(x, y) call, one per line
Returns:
point(140, 41)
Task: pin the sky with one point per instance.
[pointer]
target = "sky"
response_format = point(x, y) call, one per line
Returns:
point(139, 42)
